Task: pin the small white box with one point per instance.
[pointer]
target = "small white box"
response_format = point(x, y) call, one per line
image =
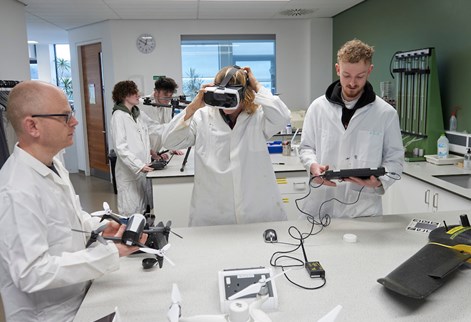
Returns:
point(452, 159)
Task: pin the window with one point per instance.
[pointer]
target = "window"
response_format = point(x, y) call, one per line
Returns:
point(204, 55)
point(62, 68)
point(33, 61)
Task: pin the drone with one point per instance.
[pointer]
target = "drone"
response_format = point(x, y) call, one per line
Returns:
point(240, 310)
point(137, 224)
point(253, 310)
point(254, 313)
point(448, 248)
point(174, 102)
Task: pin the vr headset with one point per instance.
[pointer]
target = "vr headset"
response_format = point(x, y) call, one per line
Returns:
point(223, 96)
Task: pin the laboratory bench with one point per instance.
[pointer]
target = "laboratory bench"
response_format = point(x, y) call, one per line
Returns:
point(172, 188)
point(351, 270)
point(418, 190)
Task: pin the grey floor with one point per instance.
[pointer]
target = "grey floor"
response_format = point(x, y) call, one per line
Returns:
point(93, 192)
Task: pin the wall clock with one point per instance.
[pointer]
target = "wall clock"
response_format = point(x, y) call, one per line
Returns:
point(145, 43)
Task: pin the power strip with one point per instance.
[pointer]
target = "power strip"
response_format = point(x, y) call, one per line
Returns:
point(232, 281)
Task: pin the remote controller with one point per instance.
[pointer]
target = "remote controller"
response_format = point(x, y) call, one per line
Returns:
point(362, 173)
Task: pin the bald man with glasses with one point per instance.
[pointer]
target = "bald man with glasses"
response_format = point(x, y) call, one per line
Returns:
point(45, 267)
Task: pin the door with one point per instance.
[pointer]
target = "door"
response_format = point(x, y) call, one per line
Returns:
point(94, 110)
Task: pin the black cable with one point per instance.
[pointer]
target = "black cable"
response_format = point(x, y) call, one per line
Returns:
point(305, 287)
point(324, 221)
point(297, 262)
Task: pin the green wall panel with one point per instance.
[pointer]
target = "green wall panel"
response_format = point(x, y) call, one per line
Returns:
point(401, 25)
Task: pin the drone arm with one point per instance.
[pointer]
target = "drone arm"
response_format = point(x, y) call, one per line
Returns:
point(256, 314)
point(154, 230)
point(112, 217)
point(118, 239)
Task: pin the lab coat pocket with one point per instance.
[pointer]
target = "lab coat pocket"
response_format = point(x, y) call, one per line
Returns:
point(370, 147)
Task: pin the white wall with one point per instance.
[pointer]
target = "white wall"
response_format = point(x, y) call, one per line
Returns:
point(321, 56)
point(14, 57)
point(304, 56)
point(45, 63)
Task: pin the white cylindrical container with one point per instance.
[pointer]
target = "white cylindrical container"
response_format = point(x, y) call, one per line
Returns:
point(453, 122)
point(467, 160)
point(289, 130)
point(286, 148)
point(239, 312)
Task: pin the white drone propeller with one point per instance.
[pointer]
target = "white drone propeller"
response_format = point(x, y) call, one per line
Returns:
point(106, 211)
point(254, 288)
point(173, 313)
point(332, 315)
point(160, 252)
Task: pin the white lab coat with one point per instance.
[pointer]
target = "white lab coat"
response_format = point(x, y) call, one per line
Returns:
point(372, 139)
point(131, 143)
point(44, 267)
point(234, 177)
point(159, 115)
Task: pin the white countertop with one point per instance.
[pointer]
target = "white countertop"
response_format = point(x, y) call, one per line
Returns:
point(352, 270)
point(280, 163)
point(426, 171)
point(420, 170)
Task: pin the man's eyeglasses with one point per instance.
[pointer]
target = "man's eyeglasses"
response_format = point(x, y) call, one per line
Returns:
point(68, 116)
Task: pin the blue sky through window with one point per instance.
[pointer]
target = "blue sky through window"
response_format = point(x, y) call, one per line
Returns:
point(203, 58)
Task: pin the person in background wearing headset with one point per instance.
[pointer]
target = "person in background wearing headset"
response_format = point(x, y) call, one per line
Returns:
point(350, 127)
point(164, 89)
point(234, 178)
point(45, 269)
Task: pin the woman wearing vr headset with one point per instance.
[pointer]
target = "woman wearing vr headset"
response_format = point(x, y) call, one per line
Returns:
point(229, 123)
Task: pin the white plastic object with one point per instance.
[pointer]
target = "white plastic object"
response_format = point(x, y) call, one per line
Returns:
point(332, 315)
point(289, 130)
point(239, 311)
point(442, 147)
point(269, 305)
point(434, 159)
point(350, 238)
point(467, 160)
point(453, 122)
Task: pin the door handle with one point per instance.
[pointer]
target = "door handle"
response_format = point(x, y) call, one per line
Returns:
point(427, 197)
point(435, 201)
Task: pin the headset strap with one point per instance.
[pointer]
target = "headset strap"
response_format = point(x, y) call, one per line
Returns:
point(229, 75)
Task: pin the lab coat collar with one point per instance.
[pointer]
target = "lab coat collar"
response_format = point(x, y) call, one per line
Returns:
point(32, 162)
